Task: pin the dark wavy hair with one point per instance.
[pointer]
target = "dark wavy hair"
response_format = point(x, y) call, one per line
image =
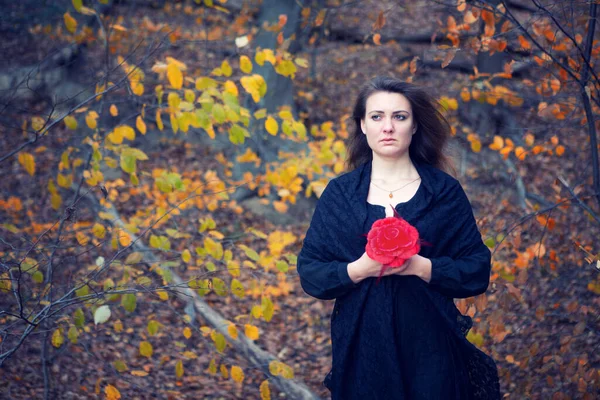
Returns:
point(428, 143)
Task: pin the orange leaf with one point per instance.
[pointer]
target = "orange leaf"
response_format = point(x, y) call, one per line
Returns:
point(112, 393)
point(413, 65)
point(448, 59)
point(377, 39)
point(461, 5)
point(488, 17)
point(498, 143)
point(379, 22)
point(282, 20)
point(469, 17)
point(560, 150)
point(465, 95)
point(520, 153)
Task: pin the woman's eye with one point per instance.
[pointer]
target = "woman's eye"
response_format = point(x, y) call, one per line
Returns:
point(400, 117)
point(376, 117)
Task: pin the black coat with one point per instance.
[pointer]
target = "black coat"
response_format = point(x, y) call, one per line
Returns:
point(401, 338)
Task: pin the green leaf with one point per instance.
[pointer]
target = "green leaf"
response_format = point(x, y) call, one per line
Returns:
point(250, 253)
point(146, 349)
point(79, 318)
point(101, 315)
point(160, 242)
point(219, 340)
point(237, 288)
point(218, 113)
point(282, 266)
point(237, 134)
point(82, 291)
point(38, 277)
point(292, 258)
point(129, 301)
point(203, 287)
point(231, 101)
point(73, 334)
point(120, 366)
point(475, 338)
point(210, 266)
point(77, 4)
point(153, 327)
point(490, 242)
point(219, 287)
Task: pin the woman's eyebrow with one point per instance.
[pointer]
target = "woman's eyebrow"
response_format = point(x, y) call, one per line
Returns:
point(393, 112)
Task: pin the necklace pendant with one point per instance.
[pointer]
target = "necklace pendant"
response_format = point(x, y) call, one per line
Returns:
point(391, 196)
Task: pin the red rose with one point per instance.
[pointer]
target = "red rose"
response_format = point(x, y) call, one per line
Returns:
point(392, 241)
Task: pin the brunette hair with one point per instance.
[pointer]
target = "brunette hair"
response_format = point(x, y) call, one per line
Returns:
point(428, 143)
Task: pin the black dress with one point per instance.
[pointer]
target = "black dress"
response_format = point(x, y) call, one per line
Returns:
point(400, 338)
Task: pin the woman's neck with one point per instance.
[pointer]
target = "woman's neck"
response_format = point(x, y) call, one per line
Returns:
point(393, 170)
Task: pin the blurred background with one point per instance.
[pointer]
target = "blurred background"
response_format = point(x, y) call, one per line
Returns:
point(161, 160)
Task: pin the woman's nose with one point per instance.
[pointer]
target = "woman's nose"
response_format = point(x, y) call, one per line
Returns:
point(388, 126)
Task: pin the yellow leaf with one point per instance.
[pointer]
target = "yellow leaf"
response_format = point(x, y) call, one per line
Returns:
point(163, 295)
point(70, 122)
point(99, 230)
point(140, 125)
point(301, 62)
point(125, 131)
point(139, 373)
point(271, 126)
point(245, 64)
point(64, 181)
point(529, 139)
point(111, 392)
point(226, 68)
point(159, 123)
point(37, 123)
point(476, 146)
point(232, 331)
point(186, 256)
point(57, 338)
point(224, 372)
point(230, 87)
point(237, 374)
point(70, 22)
point(251, 331)
point(114, 111)
point(90, 119)
point(146, 349)
point(28, 162)
point(179, 369)
point(265, 391)
point(187, 332)
point(175, 75)
point(81, 238)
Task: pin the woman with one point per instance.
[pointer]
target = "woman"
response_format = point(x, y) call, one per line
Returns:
point(400, 337)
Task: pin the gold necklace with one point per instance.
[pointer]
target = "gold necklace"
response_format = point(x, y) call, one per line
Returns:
point(395, 190)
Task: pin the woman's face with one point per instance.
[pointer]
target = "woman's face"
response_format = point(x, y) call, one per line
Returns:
point(388, 124)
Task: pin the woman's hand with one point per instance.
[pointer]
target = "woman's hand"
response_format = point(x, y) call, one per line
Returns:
point(366, 267)
point(416, 265)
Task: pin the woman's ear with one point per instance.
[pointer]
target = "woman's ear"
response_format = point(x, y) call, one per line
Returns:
point(362, 127)
point(414, 129)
